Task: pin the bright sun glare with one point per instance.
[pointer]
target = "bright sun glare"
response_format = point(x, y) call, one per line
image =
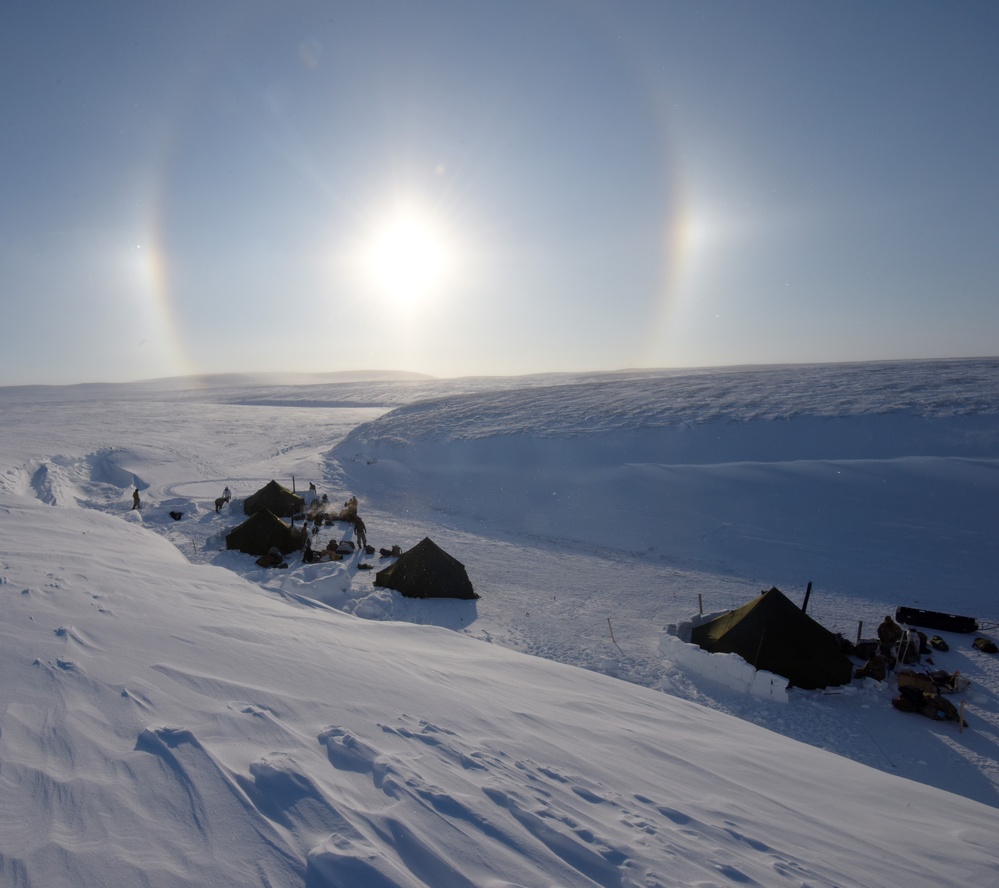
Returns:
point(408, 256)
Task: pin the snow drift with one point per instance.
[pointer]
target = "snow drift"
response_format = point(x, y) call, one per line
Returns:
point(172, 715)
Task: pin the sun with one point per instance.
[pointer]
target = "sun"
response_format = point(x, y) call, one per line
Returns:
point(408, 257)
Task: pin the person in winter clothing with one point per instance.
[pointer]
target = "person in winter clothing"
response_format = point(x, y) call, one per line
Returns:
point(360, 532)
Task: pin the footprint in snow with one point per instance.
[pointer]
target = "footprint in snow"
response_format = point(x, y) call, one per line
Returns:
point(438, 738)
point(345, 751)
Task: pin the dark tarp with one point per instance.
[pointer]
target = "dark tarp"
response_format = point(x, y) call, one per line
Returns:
point(914, 616)
point(262, 531)
point(427, 571)
point(773, 633)
point(275, 498)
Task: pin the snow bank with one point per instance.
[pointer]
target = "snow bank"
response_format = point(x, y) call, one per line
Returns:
point(846, 518)
point(174, 725)
point(172, 715)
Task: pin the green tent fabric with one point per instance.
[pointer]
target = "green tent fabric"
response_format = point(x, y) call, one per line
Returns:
point(427, 571)
point(275, 498)
point(263, 531)
point(773, 633)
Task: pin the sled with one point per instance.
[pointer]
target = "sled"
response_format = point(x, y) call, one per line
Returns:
point(913, 616)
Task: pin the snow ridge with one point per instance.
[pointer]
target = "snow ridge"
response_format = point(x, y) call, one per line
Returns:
point(630, 401)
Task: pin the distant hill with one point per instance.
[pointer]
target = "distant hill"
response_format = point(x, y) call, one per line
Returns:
point(264, 379)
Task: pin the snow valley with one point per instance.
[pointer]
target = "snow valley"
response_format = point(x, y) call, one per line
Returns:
point(173, 715)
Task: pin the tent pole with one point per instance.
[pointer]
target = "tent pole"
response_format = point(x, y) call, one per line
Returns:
point(759, 647)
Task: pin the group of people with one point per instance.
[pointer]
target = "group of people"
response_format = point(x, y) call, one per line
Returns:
point(347, 513)
point(918, 692)
point(219, 503)
point(895, 645)
point(319, 515)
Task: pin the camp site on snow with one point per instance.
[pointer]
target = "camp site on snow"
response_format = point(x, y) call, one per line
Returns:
point(770, 633)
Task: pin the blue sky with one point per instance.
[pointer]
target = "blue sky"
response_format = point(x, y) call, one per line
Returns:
point(506, 187)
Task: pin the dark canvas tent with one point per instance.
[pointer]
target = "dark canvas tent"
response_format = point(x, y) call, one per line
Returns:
point(262, 531)
point(275, 498)
point(427, 571)
point(773, 633)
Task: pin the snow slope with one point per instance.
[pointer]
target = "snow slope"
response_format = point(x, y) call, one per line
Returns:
point(172, 715)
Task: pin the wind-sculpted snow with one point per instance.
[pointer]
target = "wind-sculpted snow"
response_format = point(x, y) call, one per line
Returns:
point(595, 405)
point(193, 730)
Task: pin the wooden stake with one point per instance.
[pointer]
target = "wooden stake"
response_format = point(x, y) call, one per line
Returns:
point(611, 630)
point(700, 604)
point(860, 628)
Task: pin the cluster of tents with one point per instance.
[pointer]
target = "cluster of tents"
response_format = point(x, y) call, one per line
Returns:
point(264, 530)
point(770, 632)
point(424, 571)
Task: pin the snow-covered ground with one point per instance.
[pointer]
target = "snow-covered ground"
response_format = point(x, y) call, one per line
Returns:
point(170, 714)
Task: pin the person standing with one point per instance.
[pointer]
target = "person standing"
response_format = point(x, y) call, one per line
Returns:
point(360, 533)
point(136, 504)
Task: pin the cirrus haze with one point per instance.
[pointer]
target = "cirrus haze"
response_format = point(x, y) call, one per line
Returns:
point(477, 188)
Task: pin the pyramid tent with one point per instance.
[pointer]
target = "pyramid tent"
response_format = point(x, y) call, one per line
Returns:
point(427, 571)
point(275, 498)
point(773, 633)
point(263, 531)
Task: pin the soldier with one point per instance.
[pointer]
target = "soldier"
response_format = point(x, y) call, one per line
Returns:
point(889, 632)
point(360, 533)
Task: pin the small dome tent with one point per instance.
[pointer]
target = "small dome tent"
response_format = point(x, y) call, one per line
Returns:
point(263, 531)
point(771, 632)
point(427, 571)
point(276, 499)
